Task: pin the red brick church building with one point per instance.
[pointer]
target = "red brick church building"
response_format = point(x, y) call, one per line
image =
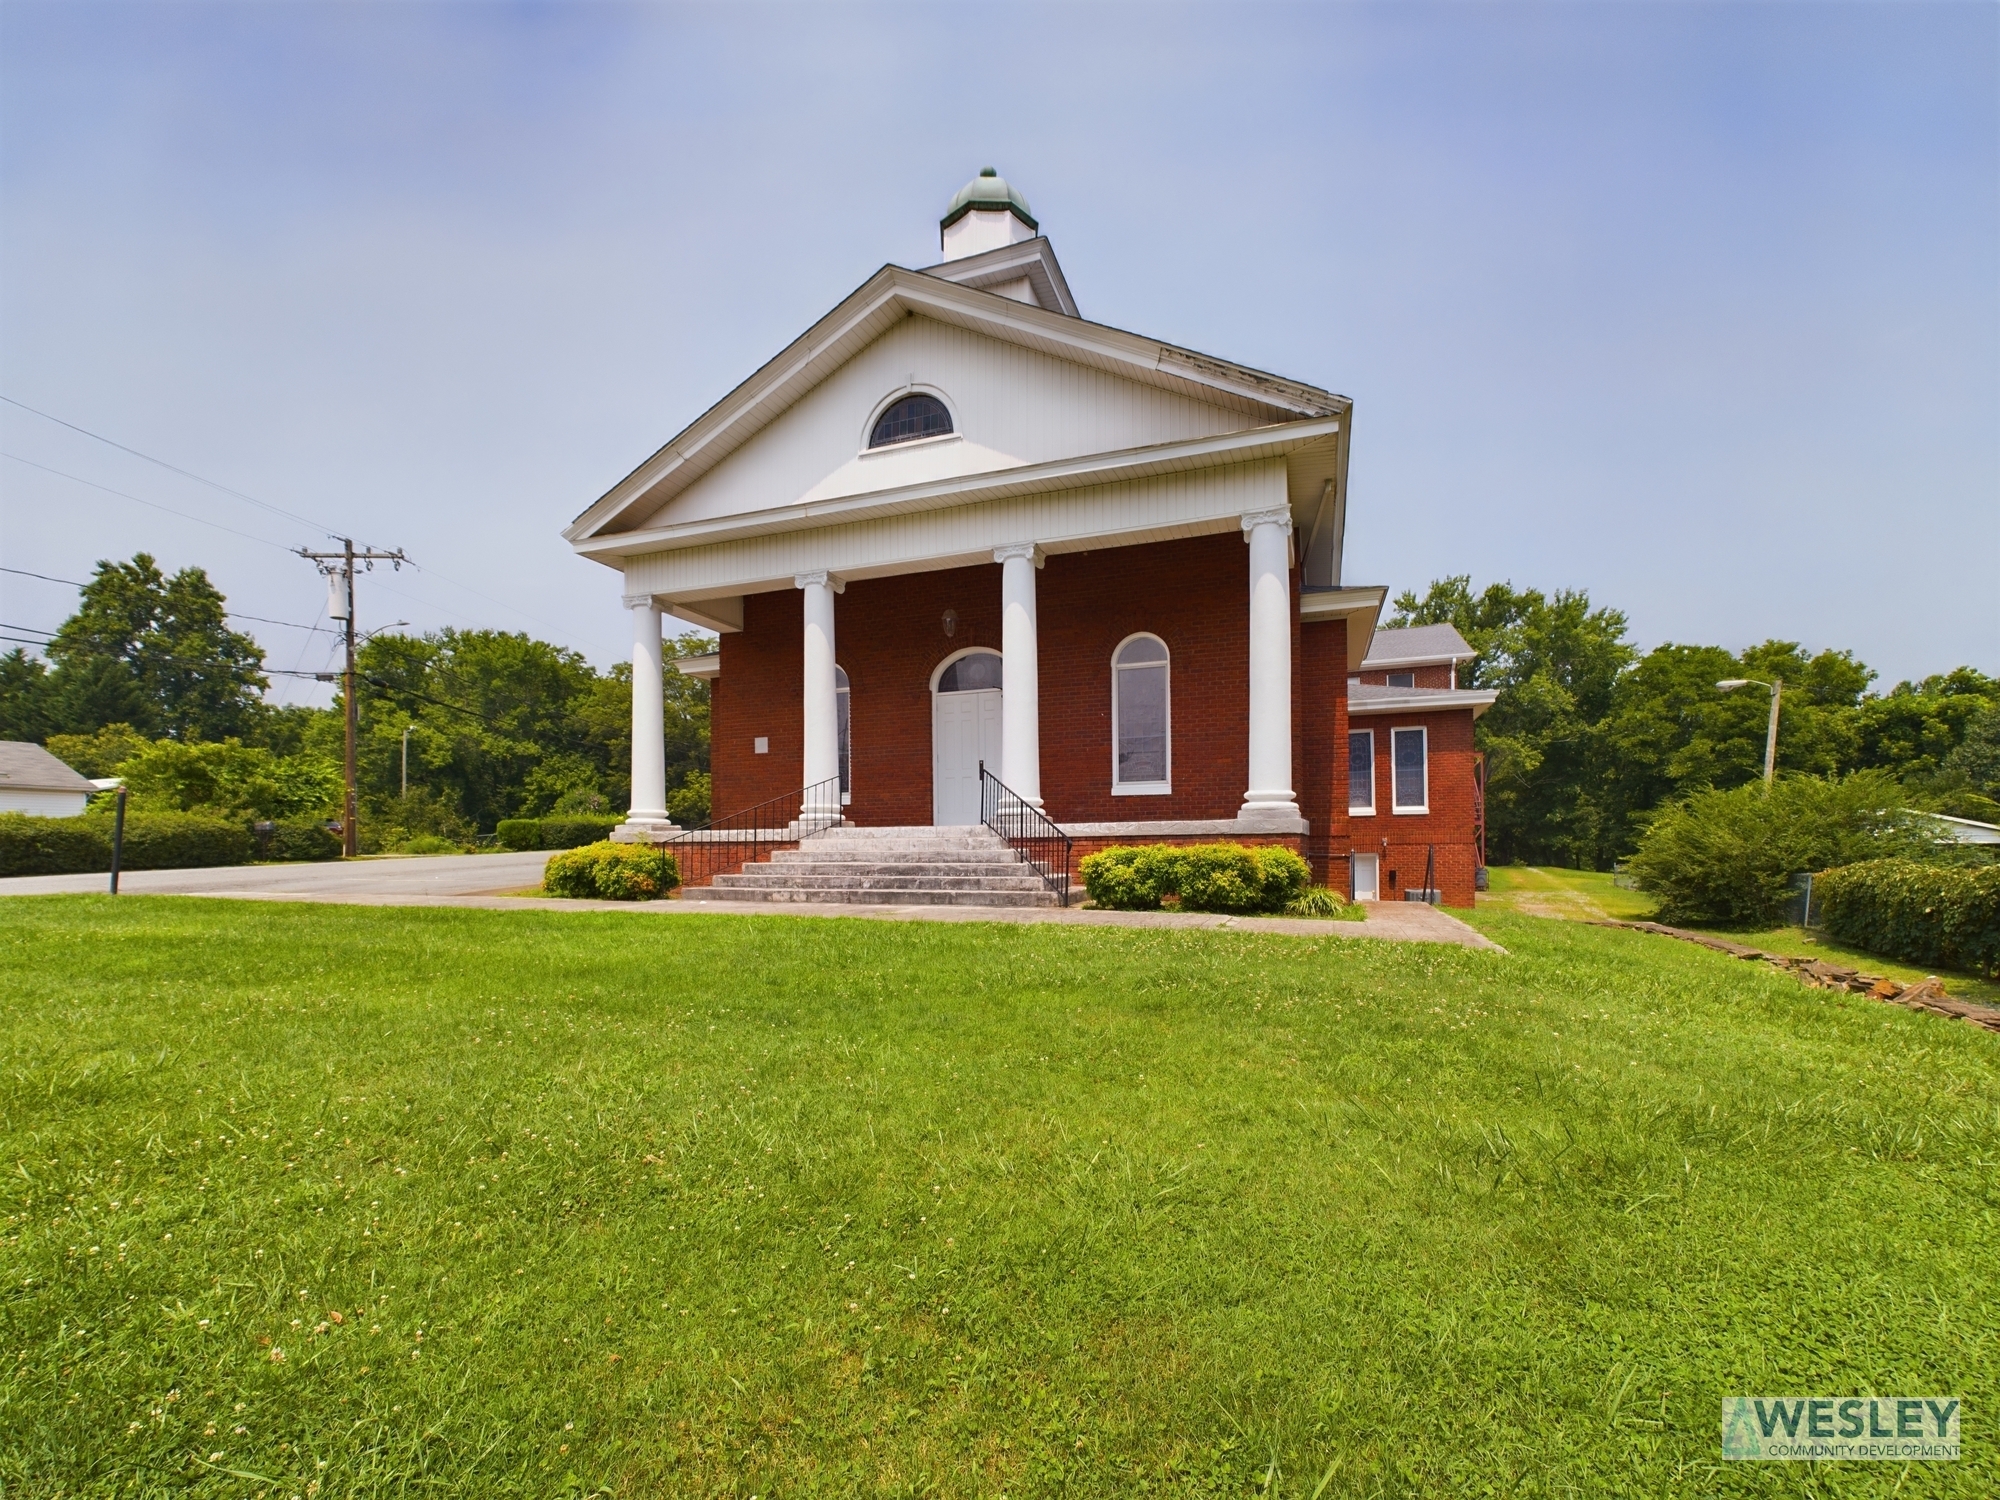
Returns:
point(956, 524)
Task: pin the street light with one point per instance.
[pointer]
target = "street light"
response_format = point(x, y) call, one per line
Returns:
point(1777, 687)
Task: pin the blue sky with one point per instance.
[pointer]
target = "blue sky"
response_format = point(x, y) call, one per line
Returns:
point(1694, 307)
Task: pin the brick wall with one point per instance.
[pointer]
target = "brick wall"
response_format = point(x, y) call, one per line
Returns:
point(1402, 839)
point(1427, 677)
point(1193, 594)
point(889, 637)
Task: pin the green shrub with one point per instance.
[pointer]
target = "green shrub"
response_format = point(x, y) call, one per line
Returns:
point(178, 841)
point(1924, 914)
point(52, 846)
point(688, 803)
point(611, 872)
point(523, 834)
point(1727, 858)
point(299, 839)
point(1203, 877)
point(574, 830)
point(430, 843)
point(1323, 904)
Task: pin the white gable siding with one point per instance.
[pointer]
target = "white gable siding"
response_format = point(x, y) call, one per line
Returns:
point(1012, 406)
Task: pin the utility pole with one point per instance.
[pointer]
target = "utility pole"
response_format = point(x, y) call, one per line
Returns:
point(339, 570)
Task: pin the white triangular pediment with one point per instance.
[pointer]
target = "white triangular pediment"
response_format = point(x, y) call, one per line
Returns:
point(1011, 406)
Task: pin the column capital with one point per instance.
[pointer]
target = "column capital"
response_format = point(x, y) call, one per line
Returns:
point(1032, 551)
point(1276, 515)
point(636, 601)
point(822, 578)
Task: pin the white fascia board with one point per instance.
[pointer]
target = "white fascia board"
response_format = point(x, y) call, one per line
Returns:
point(1383, 663)
point(704, 667)
point(966, 489)
point(1360, 606)
point(1422, 700)
point(1199, 502)
point(1033, 259)
point(873, 307)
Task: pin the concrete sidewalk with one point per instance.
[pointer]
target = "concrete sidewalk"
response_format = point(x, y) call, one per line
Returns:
point(484, 881)
point(391, 876)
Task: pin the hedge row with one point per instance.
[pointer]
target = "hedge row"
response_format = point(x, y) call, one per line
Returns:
point(612, 872)
point(153, 841)
point(1924, 914)
point(567, 831)
point(1201, 877)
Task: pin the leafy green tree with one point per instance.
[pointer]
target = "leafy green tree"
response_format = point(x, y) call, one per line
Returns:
point(231, 779)
point(502, 725)
point(1556, 662)
point(99, 754)
point(154, 652)
point(25, 696)
point(1728, 857)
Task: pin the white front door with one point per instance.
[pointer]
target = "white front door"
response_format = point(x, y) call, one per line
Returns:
point(1367, 877)
point(965, 729)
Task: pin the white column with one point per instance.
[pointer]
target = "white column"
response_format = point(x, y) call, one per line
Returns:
point(649, 732)
point(822, 759)
point(1270, 793)
point(1020, 673)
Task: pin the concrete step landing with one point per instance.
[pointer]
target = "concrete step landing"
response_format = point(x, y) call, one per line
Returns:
point(889, 867)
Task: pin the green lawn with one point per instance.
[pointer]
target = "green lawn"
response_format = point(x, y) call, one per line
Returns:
point(780, 1207)
point(1590, 895)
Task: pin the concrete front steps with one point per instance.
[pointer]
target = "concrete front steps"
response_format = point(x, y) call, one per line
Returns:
point(889, 867)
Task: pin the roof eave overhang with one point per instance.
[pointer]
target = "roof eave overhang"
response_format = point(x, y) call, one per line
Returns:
point(1360, 606)
point(1423, 701)
point(1250, 446)
point(864, 314)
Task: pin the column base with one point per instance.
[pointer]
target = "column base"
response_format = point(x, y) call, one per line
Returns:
point(645, 828)
point(1280, 815)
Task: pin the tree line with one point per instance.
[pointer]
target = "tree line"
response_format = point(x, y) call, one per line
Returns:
point(147, 679)
point(1589, 737)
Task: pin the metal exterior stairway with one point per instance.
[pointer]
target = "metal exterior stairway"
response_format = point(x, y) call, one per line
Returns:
point(889, 866)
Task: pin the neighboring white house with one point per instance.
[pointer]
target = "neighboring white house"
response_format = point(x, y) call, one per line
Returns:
point(34, 781)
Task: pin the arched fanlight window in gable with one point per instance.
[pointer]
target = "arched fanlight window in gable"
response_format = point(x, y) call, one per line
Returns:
point(1141, 718)
point(911, 418)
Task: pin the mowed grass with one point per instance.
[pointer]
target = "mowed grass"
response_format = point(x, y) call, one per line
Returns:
point(1591, 895)
point(728, 1206)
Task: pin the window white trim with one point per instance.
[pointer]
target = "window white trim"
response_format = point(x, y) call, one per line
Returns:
point(963, 651)
point(1397, 807)
point(914, 388)
point(1369, 810)
point(1142, 788)
point(843, 704)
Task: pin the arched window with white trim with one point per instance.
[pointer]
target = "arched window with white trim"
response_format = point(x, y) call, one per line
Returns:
point(1141, 718)
point(908, 420)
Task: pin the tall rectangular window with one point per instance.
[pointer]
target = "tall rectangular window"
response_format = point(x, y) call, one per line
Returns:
point(1361, 771)
point(1141, 721)
point(1408, 753)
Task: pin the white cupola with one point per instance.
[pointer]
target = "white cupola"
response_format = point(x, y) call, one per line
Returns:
point(986, 214)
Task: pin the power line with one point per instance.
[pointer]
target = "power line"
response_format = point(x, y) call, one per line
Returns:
point(23, 572)
point(154, 505)
point(228, 614)
point(175, 468)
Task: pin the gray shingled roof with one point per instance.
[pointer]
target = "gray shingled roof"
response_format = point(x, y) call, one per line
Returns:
point(1414, 646)
point(30, 768)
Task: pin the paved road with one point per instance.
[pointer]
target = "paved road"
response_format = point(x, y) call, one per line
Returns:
point(407, 878)
point(485, 880)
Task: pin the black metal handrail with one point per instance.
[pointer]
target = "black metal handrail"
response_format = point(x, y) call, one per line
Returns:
point(724, 845)
point(1027, 829)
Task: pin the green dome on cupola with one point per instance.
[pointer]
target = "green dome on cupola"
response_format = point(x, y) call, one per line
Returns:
point(988, 191)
